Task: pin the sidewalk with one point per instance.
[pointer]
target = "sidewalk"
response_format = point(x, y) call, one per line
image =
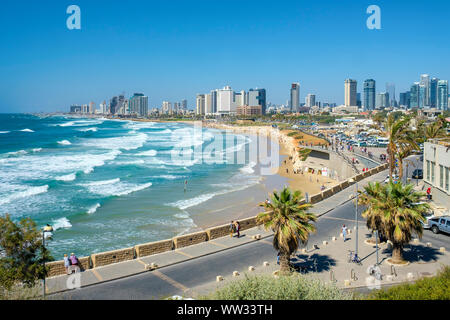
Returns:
point(328, 262)
point(137, 266)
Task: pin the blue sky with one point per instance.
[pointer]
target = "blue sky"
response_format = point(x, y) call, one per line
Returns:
point(172, 50)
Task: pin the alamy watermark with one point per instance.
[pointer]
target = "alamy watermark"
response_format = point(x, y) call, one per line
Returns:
point(74, 20)
point(374, 20)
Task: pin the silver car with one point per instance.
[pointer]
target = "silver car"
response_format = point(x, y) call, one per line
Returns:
point(440, 224)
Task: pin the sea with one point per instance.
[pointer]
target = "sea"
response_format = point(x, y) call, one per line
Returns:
point(107, 184)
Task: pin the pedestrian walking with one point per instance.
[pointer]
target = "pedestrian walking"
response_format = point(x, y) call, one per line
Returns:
point(278, 257)
point(66, 263)
point(232, 228)
point(429, 194)
point(73, 259)
point(238, 229)
point(344, 232)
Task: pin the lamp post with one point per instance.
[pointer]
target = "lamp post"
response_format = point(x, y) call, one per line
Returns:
point(356, 217)
point(47, 229)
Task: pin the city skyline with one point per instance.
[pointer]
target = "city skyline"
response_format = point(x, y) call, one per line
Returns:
point(50, 67)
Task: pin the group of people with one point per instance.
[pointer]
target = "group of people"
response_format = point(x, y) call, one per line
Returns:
point(71, 263)
point(235, 227)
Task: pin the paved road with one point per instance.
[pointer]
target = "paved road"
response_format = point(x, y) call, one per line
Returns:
point(174, 280)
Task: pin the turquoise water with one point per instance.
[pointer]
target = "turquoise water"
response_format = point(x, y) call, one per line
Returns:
point(106, 184)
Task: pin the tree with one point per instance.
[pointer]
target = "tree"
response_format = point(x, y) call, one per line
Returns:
point(23, 253)
point(288, 218)
point(401, 141)
point(395, 211)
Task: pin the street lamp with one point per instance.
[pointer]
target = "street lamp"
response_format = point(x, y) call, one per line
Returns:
point(47, 229)
point(356, 217)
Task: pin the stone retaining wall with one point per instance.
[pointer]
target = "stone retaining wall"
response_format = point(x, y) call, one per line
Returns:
point(110, 257)
point(57, 268)
point(148, 249)
point(218, 232)
point(248, 223)
point(190, 239)
point(316, 198)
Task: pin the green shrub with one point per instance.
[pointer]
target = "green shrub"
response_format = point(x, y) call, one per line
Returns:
point(435, 288)
point(292, 287)
point(291, 134)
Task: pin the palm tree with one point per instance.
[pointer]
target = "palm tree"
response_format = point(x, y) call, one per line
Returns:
point(288, 218)
point(395, 211)
point(400, 139)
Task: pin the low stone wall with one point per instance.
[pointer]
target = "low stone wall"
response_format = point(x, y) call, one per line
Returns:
point(218, 232)
point(190, 239)
point(359, 177)
point(316, 198)
point(110, 257)
point(344, 185)
point(148, 249)
point(336, 189)
point(366, 174)
point(57, 268)
point(327, 193)
point(248, 223)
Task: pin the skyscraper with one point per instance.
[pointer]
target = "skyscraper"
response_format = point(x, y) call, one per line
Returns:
point(414, 95)
point(442, 89)
point(350, 93)
point(434, 92)
point(295, 97)
point(257, 97)
point(138, 105)
point(422, 96)
point(405, 100)
point(425, 83)
point(382, 100)
point(369, 94)
point(225, 100)
point(310, 100)
point(390, 88)
point(200, 103)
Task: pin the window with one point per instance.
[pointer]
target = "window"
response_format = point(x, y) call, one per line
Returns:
point(432, 172)
point(447, 178)
point(448, 223)
point(428, 170)
point(441, 176)
point(442, 221)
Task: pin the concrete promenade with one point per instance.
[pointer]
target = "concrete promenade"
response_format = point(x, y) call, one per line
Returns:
point(192, 270)
point(136, 266)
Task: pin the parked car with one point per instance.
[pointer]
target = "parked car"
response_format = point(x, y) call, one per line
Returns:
point(417, 174)
point(440, 224)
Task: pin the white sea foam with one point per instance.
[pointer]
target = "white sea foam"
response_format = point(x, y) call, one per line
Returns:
point(249, 168)
point(26, 130)
point(24, 192)
point(185, 204)
point(115, 188)
point(93, 209)
point(150, 153)
point(130, 142)
point(94, 129)
point(16, 153)
point(64, 143)
point(69, 177)
point(4, 132)
point(38, 166)
point(37, 150)
point(81, 123)
point(62, 223)
point(102, 183)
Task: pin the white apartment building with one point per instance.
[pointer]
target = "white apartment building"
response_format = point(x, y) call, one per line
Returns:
point(436, 171)
point(225, 101)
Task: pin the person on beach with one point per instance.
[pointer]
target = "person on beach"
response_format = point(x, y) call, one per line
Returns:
point(66, 263)
point(232, 228)
point(344, 232)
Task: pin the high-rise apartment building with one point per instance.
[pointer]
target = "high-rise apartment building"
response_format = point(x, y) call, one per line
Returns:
point(225, 100)
point(295, 97)
point(208, 104)
point(442, 89)
point(350, 93)
point(414, 95)
point(390, 88)
point(310, 100)
point(200, 103)
point(434, 92)
point(405, 100)
point(382, 100)
point(425, 90)
point(138, 105)
point(257, 97)
point(369, 94)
